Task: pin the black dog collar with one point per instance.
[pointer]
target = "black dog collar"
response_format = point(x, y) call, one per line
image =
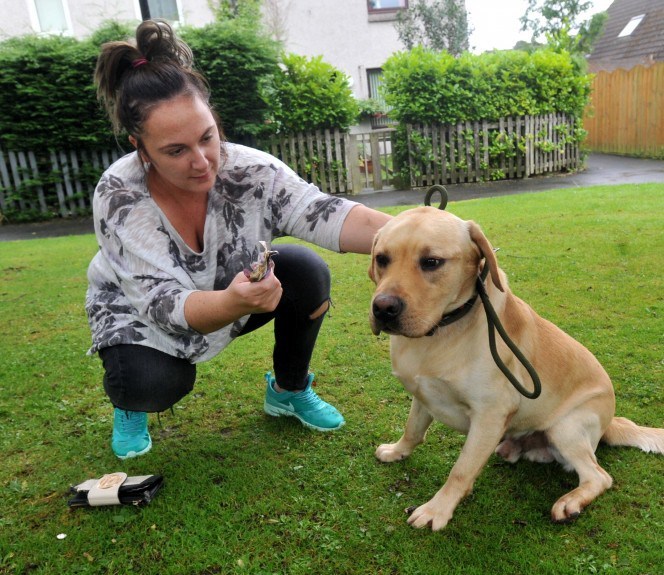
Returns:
point(461, 311)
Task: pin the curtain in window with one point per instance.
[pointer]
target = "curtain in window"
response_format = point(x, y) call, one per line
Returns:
point(387, 4)
point(51, 15)
point(166, 9)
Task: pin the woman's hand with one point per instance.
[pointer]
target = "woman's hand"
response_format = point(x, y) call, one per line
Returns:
point(208, 311)
point(255, 297)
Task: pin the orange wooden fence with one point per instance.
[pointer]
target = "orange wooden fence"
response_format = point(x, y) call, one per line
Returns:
point(626, 115)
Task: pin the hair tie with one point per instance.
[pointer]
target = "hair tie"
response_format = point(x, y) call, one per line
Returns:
point(139, 62)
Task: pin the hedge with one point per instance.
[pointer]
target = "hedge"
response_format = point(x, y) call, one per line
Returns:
point(311, 94)
point(422, 86)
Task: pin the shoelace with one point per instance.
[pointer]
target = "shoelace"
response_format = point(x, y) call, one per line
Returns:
point(308, 398)
point(131, 423)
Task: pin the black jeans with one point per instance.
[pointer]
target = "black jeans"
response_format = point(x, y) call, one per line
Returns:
point(139, 378)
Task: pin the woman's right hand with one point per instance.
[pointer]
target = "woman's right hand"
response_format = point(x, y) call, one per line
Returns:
point(208, 311)
point(256, 297)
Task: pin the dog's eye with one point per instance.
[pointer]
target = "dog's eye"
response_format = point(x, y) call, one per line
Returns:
point(382, 260)
point(431, 264)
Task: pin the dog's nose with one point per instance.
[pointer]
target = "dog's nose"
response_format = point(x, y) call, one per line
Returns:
point(386, 308)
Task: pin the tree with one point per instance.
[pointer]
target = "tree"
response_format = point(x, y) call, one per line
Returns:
point(275, 18)
point(244, 11)
point(561, 23)
point(437, 25)
point(311, 94)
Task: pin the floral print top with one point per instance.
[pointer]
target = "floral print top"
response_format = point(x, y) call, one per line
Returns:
point(143, 272)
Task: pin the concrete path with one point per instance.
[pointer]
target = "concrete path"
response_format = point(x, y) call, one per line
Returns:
point(601, 169)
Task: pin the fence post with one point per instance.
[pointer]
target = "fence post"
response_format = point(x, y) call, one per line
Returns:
point(353, 163)
point(528, 132)
point(485, 151)
point(5, 183)
point(375, 160)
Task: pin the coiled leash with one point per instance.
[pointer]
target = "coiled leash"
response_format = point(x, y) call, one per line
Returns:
point(493, 322)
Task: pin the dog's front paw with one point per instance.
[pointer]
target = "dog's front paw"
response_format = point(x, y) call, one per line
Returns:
point(429, 515)
point(389, 452)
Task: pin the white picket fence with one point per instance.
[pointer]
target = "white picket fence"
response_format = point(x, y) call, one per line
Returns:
point(59, 182)
point(62, 182)
point(461, 153)
point(338, 162)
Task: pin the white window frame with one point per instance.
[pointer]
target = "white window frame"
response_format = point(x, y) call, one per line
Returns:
point(381, 10)
point(632, 25)
point(178, 4)
point(36, 25)
point(384, 14)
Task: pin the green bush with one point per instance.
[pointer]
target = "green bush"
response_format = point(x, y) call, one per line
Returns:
point(239, 63)
point(48, 100)
point(311, 94)
point(423, 86)
point(47, 97)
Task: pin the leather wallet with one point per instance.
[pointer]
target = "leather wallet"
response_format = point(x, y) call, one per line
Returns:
point(115, 489)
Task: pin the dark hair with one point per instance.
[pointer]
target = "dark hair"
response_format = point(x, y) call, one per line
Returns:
point(132, 78)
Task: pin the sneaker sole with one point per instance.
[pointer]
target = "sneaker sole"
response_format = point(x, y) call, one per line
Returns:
point(132, 454)
point(278, 412)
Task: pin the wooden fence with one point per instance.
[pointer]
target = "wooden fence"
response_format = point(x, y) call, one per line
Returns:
point(59, 182)
point(62, 182)
point(338, 162)
point(480, 151)
point(626, 115)
point(321, 157)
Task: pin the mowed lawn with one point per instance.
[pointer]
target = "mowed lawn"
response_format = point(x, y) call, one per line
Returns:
point(245, 493)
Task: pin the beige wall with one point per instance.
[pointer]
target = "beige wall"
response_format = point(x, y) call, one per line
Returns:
point(339, 30)
point(84, 16)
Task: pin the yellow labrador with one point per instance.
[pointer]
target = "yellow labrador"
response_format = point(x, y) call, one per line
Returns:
point(425, 263)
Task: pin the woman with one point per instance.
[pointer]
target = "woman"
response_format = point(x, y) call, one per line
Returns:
point(178, 222)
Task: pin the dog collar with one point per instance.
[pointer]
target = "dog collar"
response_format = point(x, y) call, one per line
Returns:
point(461, 311)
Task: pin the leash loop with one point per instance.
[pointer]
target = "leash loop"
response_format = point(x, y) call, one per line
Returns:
point(494, 324)
point(443, 196)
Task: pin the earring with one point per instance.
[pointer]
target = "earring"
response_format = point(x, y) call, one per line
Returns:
point(146, 166)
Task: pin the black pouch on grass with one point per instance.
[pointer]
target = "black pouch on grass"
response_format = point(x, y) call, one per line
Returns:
point(116, 489)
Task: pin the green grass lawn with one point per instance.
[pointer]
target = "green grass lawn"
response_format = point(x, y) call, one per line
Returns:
point(245, 493)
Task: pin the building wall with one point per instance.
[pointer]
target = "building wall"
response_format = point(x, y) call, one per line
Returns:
point(84, 16)
point(342, 32)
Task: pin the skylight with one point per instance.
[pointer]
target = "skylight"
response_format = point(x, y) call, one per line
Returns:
point(631, 26)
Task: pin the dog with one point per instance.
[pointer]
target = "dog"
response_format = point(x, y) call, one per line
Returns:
point(425, 264)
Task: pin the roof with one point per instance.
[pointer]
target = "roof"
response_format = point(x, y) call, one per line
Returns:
point(620, 48)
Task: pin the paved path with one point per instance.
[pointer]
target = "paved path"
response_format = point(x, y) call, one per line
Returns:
point(601, 169)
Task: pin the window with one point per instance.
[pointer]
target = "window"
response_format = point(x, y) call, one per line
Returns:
point(50, 16)
point(165, 9)
point(631, 26)
point(375, 82)
point(386, 5)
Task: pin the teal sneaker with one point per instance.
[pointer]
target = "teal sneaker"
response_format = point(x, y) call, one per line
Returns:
point(310, 409)
point(130, 433)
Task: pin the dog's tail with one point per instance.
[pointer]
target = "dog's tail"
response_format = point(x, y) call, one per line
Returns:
point(622, 431)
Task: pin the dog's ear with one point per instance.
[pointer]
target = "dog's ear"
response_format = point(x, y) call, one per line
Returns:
point(371, 272)
point(477, 235)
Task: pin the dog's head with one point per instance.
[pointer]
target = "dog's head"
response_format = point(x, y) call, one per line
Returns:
point(424, 263)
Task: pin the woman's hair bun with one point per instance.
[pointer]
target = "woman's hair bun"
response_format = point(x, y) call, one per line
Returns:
point(156, 41)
